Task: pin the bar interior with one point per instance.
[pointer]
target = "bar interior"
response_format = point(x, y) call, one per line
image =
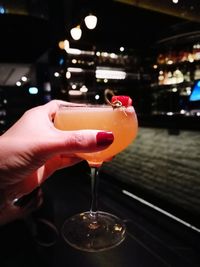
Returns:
point(148, 50)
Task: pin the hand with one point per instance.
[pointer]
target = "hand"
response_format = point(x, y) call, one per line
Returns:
point(32, 149)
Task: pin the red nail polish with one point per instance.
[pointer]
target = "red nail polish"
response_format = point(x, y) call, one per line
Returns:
point(104, 138)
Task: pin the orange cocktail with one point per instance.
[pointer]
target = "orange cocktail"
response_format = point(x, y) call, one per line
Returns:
point(121, 121)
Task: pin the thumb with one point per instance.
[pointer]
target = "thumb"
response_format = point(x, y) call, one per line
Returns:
point(80, 141)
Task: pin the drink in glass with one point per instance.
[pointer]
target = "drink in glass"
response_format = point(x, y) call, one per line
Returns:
point(97, 230)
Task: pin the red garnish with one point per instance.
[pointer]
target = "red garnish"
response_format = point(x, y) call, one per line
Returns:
point(125, 101)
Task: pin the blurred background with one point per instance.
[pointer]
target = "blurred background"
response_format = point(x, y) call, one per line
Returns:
point(147, 49)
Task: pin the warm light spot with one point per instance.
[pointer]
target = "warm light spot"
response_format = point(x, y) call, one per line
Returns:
point(76, 32)
point(71, 69)
point(90, 21)
point(56, 74)
point(83, 89)
point(170, 62)
point(68, 74)
point(18, 83)
point(61, 45)
point(118, 228)
point(24, 78)
point(74, 93)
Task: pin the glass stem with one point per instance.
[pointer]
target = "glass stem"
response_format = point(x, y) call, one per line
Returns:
point(94, 189)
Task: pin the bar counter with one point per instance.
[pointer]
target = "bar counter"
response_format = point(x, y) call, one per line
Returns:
point(153, 238)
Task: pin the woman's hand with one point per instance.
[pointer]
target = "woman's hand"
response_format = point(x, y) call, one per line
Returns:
point(32, 149)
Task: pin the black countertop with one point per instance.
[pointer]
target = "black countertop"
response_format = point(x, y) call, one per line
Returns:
point(153, 239)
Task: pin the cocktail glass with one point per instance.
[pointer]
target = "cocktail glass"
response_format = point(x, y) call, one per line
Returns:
point(96, 230)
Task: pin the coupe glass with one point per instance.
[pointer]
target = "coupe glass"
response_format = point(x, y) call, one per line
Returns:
point(96, 230)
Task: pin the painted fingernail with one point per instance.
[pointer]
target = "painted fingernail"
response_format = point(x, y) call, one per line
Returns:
point(104, 138)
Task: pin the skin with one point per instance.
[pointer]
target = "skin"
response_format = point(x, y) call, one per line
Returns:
point(31, 151)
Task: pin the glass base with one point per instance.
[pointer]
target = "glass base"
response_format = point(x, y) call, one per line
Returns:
point(93, 232)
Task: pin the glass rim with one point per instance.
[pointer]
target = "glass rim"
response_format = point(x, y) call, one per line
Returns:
point(85, 105)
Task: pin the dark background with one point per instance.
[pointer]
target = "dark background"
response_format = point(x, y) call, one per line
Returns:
point(24, 38)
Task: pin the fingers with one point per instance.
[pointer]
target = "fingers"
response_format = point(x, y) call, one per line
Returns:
point(80, 141)
point(54, 105)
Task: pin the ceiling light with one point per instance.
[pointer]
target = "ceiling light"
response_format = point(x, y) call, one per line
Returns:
point(74, 93)
point(83, 89)
point(56, 74)
point(71, 69)
point(68, 74)
point(73, 51)
point(24, 78)
point(90, 21)
point(97, 97)
point(110, 74)
point(18, 83)
point(66, 44)
point(76, 32)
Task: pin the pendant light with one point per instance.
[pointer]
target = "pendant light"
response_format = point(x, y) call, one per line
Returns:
point(76, 32)
point(90, 21)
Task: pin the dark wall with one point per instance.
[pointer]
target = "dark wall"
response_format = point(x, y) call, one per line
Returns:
point(163, 168)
